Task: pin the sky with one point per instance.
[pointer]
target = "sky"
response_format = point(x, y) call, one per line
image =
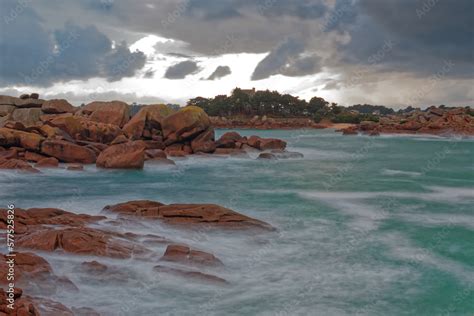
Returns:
point(391, 52)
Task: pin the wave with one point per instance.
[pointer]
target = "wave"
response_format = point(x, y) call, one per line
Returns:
point(437, 193)
point(393, 172)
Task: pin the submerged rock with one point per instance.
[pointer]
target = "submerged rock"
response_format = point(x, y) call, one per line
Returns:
point(192, 275)
point(185, 255)
point(75, 167)
point(287, 154)
point(268, 156)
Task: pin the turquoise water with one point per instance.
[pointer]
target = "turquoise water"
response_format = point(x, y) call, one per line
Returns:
point(366, 226)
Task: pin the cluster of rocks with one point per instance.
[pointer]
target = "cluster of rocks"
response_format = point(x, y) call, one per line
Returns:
point(435, 120)
point(43, 230)
point(47, 132)
point(264, 122)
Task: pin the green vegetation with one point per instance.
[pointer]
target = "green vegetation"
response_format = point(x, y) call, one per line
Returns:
point(244, 103)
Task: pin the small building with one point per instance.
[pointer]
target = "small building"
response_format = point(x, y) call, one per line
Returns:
point(249, 92)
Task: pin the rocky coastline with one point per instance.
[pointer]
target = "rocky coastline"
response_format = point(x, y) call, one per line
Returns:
point(433, 121)
point(36, 133)
point(52, 230)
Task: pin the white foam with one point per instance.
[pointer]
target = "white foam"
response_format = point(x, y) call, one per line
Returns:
point(392, 172)
point(402, 248)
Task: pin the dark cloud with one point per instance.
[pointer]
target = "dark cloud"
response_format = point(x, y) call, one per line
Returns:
point(303, 9)
point(221, 71)
point(425, 35)
point(34, 55)
point(302, 66)
point(213, 10)
point(343, 13)
point(181, 70)
point(120, 62)
point(395, 38)
point(274, 62)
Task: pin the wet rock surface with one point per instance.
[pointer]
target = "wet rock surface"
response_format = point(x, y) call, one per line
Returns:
point(41, 231)
point(187, 214)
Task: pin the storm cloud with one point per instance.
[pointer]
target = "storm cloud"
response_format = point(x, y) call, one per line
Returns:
point(32, 54)
point(181, 70)
point(221, 71)
point(359, 42)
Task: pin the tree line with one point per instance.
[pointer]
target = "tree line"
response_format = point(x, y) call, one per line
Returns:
point(242, 103)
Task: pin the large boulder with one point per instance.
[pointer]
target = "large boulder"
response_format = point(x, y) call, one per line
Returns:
point(113, 112)
point(7, 137)
point(33, 217)
point(266, 143)
point(189, 214)
point(98, 132)
point(28, 117)
point(33, 273)
point(13, 137)
point(6, 109)
point(130, 155)
point(184, 124)
point(7, 100)
point(271, 143)
point(28, 103)
point(204, 142)
point(228, 140)
point(148, 118)
point(17, 164)
point(66, 122)
point(68, 152)
point(81, 241)
point(29, 141)
point(49, 162)
point(49, 131)
point(57, 106)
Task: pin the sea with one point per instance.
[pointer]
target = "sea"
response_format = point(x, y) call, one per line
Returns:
point(363, 226)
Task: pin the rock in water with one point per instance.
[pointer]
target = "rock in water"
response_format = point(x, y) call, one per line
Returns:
point(188, 214)
point(148, 118)
point(17, 164)
point(185, 255)
point(130, 155)
point(49, 162)
point(184, 124)
point(228, 140)
point(204, 142)
point(268, 156)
